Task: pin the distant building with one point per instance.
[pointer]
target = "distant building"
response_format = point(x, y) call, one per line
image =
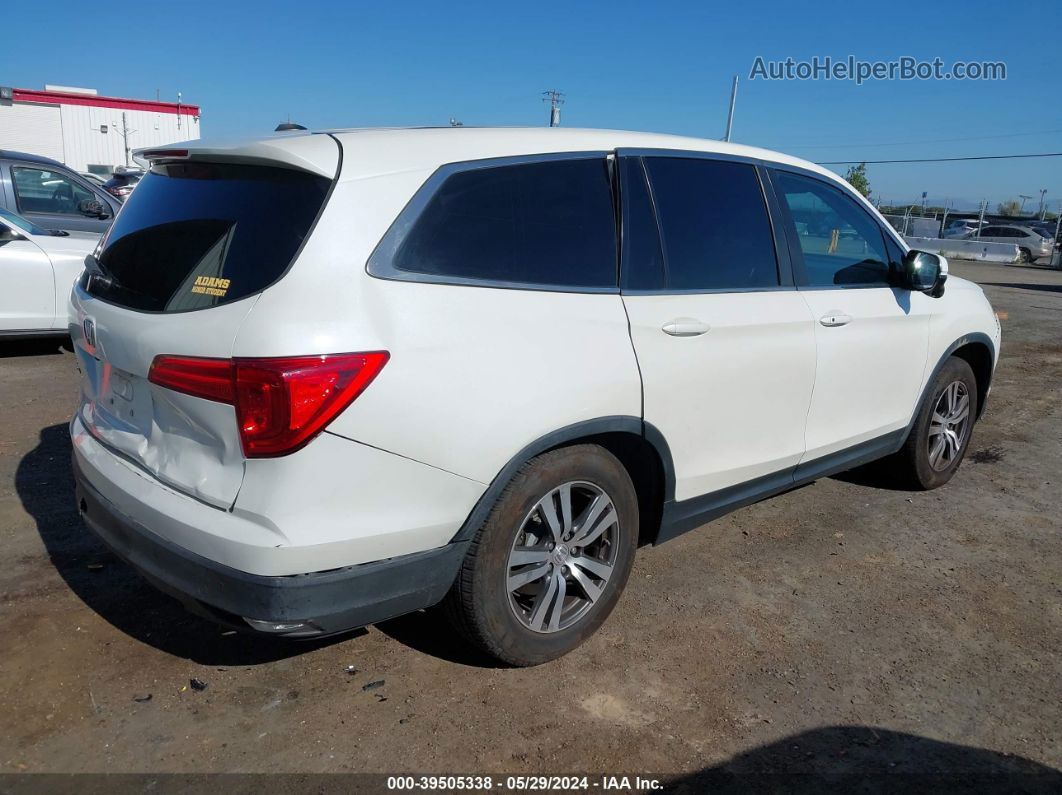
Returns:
point(87, 131)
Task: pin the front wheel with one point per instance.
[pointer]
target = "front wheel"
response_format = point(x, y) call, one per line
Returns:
point(942, 428)
point(550, 562)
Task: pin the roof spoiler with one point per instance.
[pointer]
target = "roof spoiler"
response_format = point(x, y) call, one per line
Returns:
point(312, 152)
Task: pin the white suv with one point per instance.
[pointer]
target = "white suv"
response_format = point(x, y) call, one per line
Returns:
point(330, 378)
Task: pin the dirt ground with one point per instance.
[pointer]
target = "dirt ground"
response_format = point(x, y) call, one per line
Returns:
point(847, 625)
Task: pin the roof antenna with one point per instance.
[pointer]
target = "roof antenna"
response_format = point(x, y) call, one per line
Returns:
point(288, 126)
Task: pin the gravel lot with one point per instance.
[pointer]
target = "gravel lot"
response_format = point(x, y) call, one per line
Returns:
point(845, 626)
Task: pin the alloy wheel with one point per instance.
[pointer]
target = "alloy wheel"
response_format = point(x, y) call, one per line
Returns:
point(949, 425)
point(562, 557)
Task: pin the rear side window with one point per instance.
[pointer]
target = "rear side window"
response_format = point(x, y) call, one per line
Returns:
point(195, 235)
point(714, 224)
point(549, 223)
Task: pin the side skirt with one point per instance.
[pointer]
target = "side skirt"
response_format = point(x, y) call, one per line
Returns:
point(681, 516)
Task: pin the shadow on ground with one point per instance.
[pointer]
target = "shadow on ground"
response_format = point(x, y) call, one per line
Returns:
point(880, 474)
point(866, 759)
point(1048, 288)
point(13, 348)
point(112, 589)
point(429, 632)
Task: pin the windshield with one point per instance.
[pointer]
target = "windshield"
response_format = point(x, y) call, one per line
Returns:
point(22, 223)
point(196, 235)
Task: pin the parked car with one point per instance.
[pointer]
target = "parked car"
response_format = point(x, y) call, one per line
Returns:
point(123, 181)
point(52, 196)
point(961, 227)
point(95, 179)
point(1031, 244)
point(38, 268)
point(331, 378)
point(1044, 228)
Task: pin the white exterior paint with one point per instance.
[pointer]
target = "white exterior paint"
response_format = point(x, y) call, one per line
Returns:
point(37, 129)
point(85, 145)
point(36, 274)
point(477, 373)
point(73, 133)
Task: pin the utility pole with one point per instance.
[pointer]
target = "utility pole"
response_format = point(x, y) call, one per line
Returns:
point(178, 110)
point(730, 114)
point(555, 99)
point(1043, 209)
point(126, 132)
point(981, 217)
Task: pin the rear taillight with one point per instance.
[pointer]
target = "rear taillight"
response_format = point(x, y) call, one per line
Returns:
point(281, 403)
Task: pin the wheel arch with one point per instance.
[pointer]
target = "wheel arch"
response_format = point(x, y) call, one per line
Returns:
point(638, 445)
point(979, 351)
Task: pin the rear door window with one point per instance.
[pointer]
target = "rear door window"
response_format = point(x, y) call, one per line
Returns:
point(195, 235)
point(537, 224)
point(714, 225)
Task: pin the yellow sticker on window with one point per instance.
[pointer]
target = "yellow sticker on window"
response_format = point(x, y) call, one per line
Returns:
point(210, 285)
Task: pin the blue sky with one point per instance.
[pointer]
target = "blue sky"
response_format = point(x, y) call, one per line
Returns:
point(645, 66)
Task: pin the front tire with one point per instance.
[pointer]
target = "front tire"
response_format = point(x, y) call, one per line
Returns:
point(941, 433)
point(551, 560)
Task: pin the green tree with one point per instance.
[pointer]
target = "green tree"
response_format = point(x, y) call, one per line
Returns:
point(1009, 207)
point(857, 178)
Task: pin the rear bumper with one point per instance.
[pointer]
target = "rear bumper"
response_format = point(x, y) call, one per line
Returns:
point(302, 605)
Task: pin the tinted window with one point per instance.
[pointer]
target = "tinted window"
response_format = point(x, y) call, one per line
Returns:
point(895, 253)
point(195, 235)
point(714, 224)
point(42, 191)
point(550, 223)
point(643, 262)
point(841, 243)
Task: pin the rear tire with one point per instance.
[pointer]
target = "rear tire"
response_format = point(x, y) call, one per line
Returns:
point(1024, 255)
point(564, 533)
point(942, 429)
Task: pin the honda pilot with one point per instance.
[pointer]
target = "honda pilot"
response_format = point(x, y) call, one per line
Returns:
point(330, 378)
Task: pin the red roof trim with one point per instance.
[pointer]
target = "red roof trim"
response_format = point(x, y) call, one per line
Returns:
point(93, 100)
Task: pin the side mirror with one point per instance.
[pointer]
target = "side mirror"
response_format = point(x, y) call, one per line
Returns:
point(925, 272)
point(93, 209)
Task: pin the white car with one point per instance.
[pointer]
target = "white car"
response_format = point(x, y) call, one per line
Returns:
point(962, 227)
point(38, 267)
point(330, 378)
point(1032, 244)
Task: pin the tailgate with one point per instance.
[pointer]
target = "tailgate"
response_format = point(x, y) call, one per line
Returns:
point(177, 273)
point(190, 444)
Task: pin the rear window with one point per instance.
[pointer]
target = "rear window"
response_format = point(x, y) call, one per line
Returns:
point(196, 235)
point(548, 224)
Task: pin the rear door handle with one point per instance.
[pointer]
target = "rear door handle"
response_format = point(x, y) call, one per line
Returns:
point(835, 318)
point(685, 327)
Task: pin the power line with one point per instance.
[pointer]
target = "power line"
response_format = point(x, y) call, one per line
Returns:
point(938, 159)
point(929, 141)
point(555, 99)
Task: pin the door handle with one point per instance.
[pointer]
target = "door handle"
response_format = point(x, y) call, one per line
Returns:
point(685, 327)
point(835, 318)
